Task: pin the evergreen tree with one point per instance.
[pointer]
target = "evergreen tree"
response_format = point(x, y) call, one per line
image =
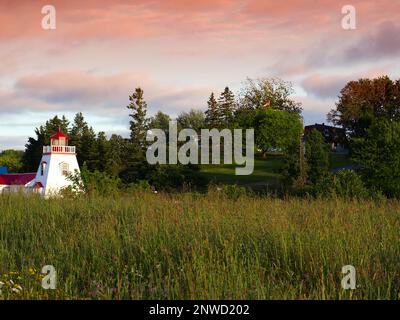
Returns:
point(294, 169)
point(226, 108)
point(83, 138)
point(317, 155)
point(212, 117)
point(34, 150)
point(101, 152)
point(138, 123)
point(115, 155)
point(34, 146)
point(135, 156)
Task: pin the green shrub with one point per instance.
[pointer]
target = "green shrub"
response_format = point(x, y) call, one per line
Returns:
point(234, 191)
point(348, 184)
point(172, 177)
point(140, 186)
point(93, 183)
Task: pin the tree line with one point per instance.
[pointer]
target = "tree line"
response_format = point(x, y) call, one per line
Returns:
point(368, 110)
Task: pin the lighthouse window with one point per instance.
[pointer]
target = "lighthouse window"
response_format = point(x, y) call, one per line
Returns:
point(64, 167)
point(42, 168)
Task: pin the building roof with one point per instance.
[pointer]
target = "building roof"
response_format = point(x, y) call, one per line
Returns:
point(16, 178)
point(322, 126)
point(59, 135)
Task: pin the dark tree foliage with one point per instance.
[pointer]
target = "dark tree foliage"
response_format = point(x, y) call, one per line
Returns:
point(212, 113)
point(136, 167)
point(317, 156)
point(226, 108)
point(101, 146)
point(294, 169)
point(378, 154)
point(160, 121)
point(83, 137)
point(360, 102)
point(139, 121)
point(115, 155)
point(34, 146)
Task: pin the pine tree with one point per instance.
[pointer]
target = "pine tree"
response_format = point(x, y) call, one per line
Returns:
point(317, 155)
point(100, 152)
point(34, 147)
point(226, 108)
point(33, 151)
point(212, 118)
point(138, 123)
point(294, 168)
point(135, 152)
point(83, 138)
point(115, 155)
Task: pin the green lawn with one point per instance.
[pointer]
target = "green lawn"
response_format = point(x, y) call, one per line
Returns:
point(266, 171)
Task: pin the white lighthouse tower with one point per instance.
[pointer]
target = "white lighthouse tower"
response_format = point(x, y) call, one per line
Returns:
point(58, 160)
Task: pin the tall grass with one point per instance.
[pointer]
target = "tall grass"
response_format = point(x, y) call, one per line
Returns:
point(190, 246)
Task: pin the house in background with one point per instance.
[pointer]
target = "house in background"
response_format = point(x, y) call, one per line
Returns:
point(334, 136)
point(58, 161)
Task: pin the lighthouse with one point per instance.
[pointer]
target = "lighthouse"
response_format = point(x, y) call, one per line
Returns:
point(58, 161)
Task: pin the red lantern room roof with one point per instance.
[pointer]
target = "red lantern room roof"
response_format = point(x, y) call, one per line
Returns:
point(59, 135)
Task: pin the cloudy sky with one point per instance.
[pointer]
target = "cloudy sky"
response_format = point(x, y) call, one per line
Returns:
point(179, 51)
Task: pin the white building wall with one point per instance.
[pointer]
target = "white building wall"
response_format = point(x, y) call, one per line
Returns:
point(52, 179)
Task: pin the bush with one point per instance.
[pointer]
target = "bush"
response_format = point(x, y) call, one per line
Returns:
point(171, 177)
point(94, 183)
point(233, 191)
point(140, 186)
point(348, 184)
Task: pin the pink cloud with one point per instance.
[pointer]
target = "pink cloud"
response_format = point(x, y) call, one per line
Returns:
point(74, 91)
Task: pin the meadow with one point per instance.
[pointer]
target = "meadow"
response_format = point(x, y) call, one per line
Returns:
point(198, 246)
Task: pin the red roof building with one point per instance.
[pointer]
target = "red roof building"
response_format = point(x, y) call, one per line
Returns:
point(16, 178)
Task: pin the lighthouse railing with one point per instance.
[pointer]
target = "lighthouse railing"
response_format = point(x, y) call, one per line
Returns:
point(59, 149)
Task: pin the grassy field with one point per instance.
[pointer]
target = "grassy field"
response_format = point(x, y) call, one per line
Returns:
point(194, 246)
point(266, 171)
